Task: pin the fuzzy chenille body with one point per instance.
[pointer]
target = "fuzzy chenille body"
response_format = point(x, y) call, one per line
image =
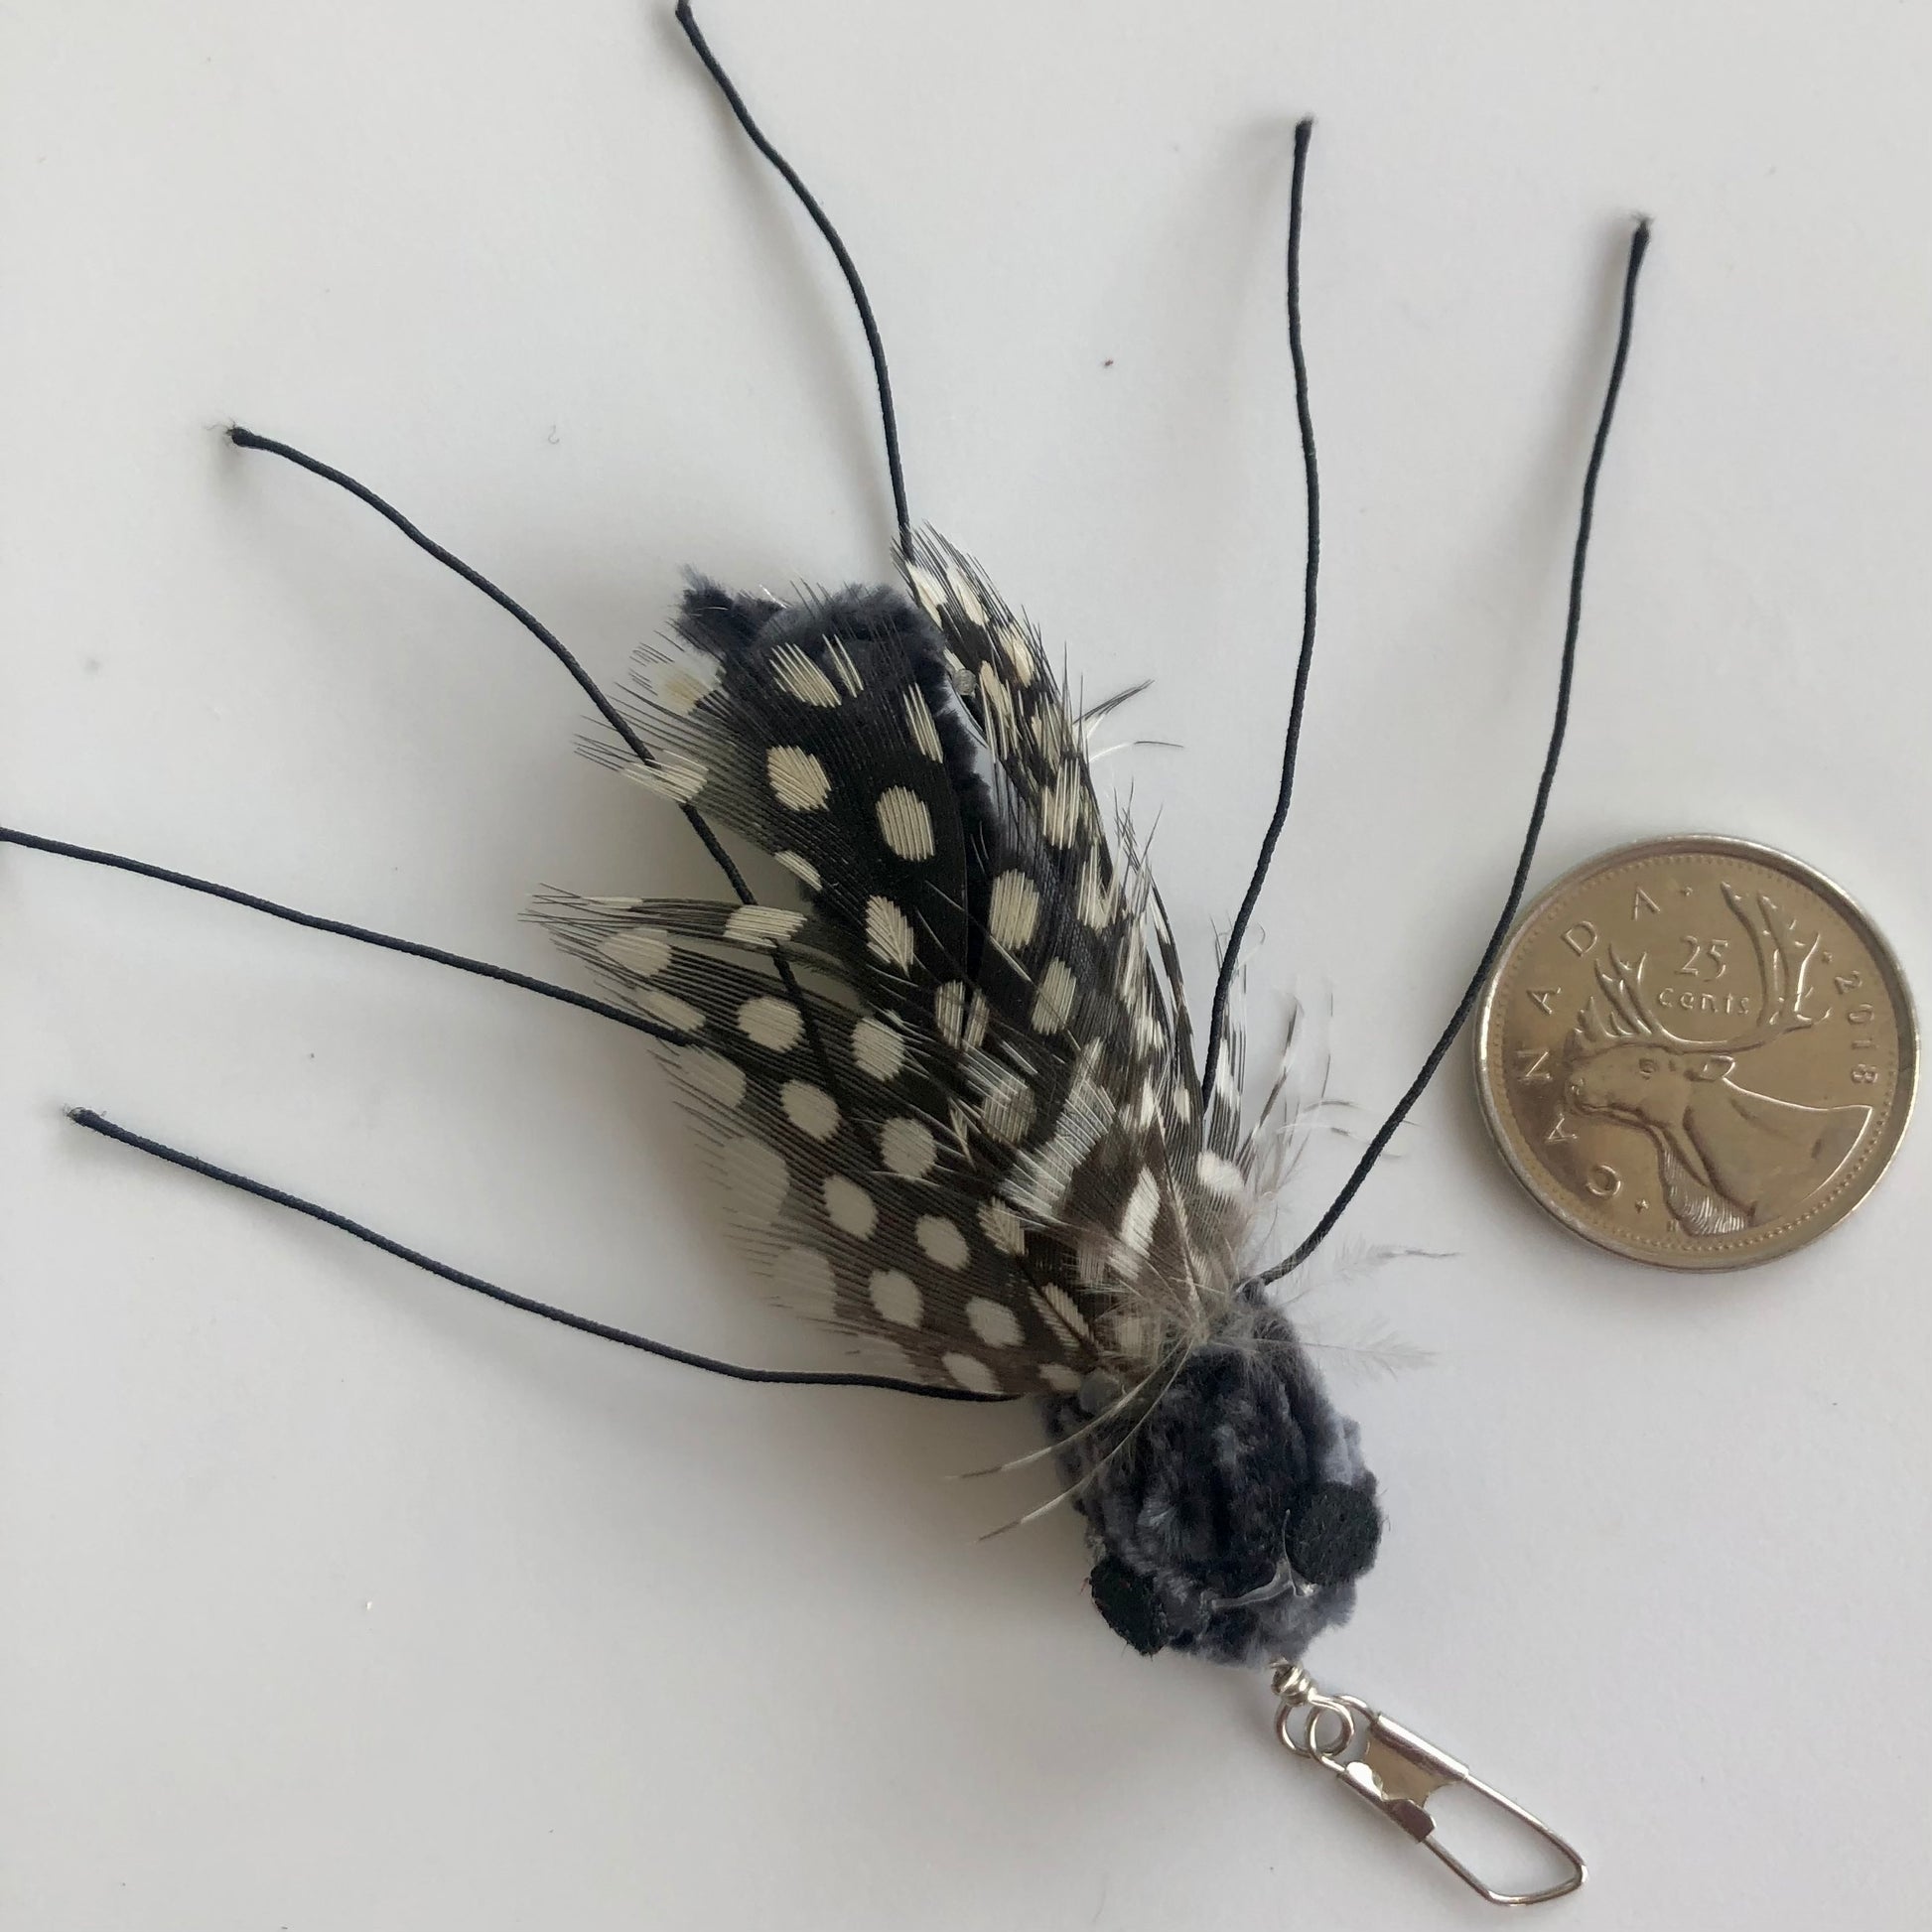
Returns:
point(953, 1097)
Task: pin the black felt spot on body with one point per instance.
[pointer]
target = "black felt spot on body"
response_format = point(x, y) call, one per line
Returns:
point(1334, 1533)
point(1131, 1605)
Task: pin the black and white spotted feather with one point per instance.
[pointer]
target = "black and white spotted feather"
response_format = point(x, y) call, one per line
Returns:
point(974, 1140)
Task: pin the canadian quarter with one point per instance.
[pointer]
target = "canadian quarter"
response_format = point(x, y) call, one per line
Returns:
point(1698, 1053)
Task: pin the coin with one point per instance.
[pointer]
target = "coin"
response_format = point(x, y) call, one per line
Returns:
point(1697, 1052)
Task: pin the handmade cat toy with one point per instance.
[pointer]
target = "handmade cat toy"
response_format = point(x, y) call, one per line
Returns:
point(955, 1096)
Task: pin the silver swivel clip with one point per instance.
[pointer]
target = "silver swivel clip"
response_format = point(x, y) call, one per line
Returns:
point(1389, 1767)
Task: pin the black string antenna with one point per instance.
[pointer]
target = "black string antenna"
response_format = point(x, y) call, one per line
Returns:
point(341, 929)
point(247, 439)
point(888, 417)
point(1311, 569)
point(1586, 516)
point(261, 1191)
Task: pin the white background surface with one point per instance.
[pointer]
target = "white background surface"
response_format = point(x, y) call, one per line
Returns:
point(332, 1598)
